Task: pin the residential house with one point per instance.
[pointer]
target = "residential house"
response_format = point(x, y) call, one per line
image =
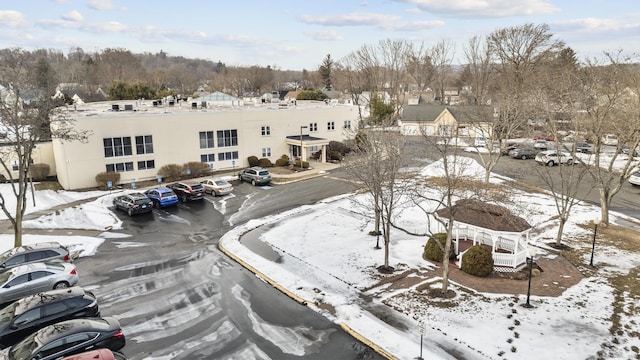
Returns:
point(444, 120)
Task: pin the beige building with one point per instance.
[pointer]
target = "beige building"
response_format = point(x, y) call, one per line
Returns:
point(443, 120)
point(137, 138)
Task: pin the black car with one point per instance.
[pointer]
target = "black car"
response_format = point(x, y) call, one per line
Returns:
point(522, 153)
point(67, 338)
point(133, 203)
point(187, 190)
point(24, 316)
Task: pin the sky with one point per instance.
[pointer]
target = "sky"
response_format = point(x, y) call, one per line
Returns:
point(295, 35)
point(571, 326)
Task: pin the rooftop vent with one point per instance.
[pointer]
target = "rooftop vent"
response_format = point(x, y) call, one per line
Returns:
point(128, 107)
point(194, 105)
point(115, 107)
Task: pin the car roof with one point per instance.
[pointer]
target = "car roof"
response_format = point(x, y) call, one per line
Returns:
point(47, 297)
point(36, 246)
point(160, 188)
point(21, 269)
point(64, 328)
point(136, 195)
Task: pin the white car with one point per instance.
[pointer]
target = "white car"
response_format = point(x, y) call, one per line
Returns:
point(33, 278)
point(554, 157)
point(634, 179)
point(217, 187)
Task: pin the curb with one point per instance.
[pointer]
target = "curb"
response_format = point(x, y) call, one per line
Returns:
point(304, 302)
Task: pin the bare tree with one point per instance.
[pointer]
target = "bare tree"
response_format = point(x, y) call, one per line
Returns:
point(442, 55)
point(377, 163)
point(28, 116)
point(611, 105)
point(420, 66)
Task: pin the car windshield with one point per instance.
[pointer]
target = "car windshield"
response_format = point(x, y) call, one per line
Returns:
point(196, 187)
point(141, 201)
point(4, 277)
point(6, 314)
point(24, 348)
point(5, 255)
point(264, 173)
point(221, 182)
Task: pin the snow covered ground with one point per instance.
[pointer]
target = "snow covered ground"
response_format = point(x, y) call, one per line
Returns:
point(327, 256)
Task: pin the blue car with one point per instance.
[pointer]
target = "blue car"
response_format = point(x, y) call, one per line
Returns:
point(162, 196)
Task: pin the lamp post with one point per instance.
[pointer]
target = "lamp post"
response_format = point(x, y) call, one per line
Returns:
point(593, 245)
point(532, 253)
point(301, 127)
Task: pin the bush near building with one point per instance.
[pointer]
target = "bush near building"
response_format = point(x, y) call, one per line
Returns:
point(197, 169)
point(433, 251)
point(171, 172)
point(104, 178)
point(477, 261)
point(39, 171)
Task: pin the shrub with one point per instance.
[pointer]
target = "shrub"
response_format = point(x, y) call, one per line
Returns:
point(198, 169)
point(305, 164)
point(171, 172)
point(103, 178)
point(3, 178)
point(264, 162)
point(477, 261)
point(282, 162)
point(335, 155)
point(432, 250)
point(39, 171)
point(342, 148)
point(253, 161)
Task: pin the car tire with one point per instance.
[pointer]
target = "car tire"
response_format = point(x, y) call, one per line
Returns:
point(550, 163)
point(183, 198)
point(253, 182)
point(570, 162)
point(156, 204)
point(523, 157)
point(239, 178)
point(61, 285)
point(130, 212)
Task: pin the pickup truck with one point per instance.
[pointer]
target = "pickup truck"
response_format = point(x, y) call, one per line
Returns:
point(187, 190)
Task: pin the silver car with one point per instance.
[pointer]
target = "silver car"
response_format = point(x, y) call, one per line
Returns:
point(217, 187)
point(40, 252)
point(25, 280)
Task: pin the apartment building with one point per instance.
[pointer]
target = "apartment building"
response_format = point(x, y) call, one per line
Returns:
point(137, 138)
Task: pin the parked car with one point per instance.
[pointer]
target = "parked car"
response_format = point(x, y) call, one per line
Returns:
point(188, 190)
point(610, 139)
point(41, 252)
point(68, 338)
point(162, 196)
point(255, 175)
point(217, 187)
point(33, 278)
point(583, 147)
point(133, 203)
point(507, 147)
point(99, 354)
point(554, 157)
point(540, 144)
point(522, 153)
point(625, 150)
point(480, 141)
point(634, 179)
point(24, 316)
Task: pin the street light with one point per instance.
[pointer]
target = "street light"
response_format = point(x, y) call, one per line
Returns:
point(532, 254)
point(595, 232)
point(301, 127)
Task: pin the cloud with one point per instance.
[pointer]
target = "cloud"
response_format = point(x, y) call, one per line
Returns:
point(415, 25)
point(354, 19)
point(11, 18)
point(483, 8)
point(326, 35)
point(100, 4)
point(73, 15)
point(595, 25)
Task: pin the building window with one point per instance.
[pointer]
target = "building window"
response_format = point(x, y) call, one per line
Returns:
point(207, 158)
point(266, 130)
point(347, 124)
point(144, 144)
point(206, 139)
point(147, 164)
point(313, 127)
point(117, 146)
point(266, 152)
point(229, 155)
point(331, 125)
point(227, 138)
point(120, 167)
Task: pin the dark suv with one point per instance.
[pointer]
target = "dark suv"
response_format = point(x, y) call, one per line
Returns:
point(133, 203)
point(25, 316)
point(45, 251)
point(255, 175)
point(188, 191)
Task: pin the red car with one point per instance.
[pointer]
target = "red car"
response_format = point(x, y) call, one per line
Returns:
point(100, 354)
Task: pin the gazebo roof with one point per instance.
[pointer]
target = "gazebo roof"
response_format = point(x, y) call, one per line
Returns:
point(488, 216)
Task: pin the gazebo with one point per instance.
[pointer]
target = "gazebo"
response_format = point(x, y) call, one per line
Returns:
point(477, 222)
